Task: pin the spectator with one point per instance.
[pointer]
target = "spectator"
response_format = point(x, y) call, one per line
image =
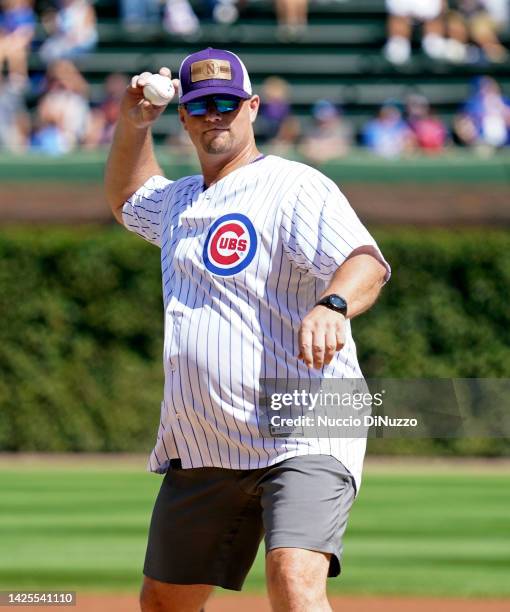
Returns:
point(137, 13)
point(14, 119)
point(429, 131)
point(292, 16)
point(275, 106)
point(104, 117)
point(330, 137)
point(484, 121)
point(72, 30)
point(48, 139)
point(400, 15)
point(17, 26)
point(179, 17)
point(276, 124)
point(471, 20)
point(388, 135)
point(224, 11)
point(62, 114)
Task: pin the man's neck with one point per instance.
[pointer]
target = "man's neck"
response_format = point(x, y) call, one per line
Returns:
point(214, 168)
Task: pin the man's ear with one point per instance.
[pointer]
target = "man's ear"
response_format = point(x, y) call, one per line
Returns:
point(254, 103)
point(182, 117)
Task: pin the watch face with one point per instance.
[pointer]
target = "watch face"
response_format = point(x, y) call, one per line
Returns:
point(337, 301)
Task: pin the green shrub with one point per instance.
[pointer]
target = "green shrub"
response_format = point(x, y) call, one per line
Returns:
point(445, 311)
point(82, 329)
point(80, 340)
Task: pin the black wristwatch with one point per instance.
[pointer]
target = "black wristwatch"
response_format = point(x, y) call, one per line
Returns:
point(334, 302)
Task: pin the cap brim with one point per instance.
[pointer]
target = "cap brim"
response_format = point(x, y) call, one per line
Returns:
point(213, 90)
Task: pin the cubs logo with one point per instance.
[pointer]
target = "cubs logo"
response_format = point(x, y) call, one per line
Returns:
point(230, 245)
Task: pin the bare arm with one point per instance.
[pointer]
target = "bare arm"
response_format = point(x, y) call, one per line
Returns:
point(131, 161)
point(358, 280)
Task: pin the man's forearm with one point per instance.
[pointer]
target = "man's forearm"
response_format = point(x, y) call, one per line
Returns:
point(358, 280)
point(322, 332)
point(130, 163)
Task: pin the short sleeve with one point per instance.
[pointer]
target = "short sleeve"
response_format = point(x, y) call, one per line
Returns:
point(320, 229)
point(142, 212)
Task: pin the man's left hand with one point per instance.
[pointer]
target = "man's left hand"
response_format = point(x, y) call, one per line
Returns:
point(321, 335)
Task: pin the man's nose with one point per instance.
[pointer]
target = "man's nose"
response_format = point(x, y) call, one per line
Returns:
point(212, 113)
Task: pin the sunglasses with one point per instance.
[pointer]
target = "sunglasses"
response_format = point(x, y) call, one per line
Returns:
point(198, 108)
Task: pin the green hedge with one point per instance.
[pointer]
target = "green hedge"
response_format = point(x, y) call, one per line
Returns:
point(80, 340)
point(81, 332)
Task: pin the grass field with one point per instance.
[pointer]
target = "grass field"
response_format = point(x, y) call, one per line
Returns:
point(419, 532)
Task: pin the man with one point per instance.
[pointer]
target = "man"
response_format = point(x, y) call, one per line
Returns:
point(247, 250)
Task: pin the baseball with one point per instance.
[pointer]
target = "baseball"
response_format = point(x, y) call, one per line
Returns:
point(159, 90)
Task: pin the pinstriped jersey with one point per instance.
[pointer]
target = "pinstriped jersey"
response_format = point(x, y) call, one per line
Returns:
point(243, 261)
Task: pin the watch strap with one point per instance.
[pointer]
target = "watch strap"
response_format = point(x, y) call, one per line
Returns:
point(334, 302)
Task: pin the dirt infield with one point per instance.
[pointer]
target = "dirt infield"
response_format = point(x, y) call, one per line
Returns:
point(258, 603)
point(373, 464)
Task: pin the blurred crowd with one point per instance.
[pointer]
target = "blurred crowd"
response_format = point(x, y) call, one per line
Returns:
point(399, 129)
point(179, 17)
point(66, 113)
point(456, 31)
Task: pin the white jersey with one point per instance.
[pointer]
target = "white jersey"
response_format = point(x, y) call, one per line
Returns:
point(243, 262)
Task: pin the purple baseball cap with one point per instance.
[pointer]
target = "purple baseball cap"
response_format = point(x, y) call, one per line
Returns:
point(213, 71)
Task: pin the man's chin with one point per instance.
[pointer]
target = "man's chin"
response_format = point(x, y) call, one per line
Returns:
point(219, 145)
point(221, 150)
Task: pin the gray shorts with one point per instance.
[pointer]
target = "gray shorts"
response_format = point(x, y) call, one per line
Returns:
point(207, 523)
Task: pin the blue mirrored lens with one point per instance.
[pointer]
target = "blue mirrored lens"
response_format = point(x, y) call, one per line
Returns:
point(198, 108)
point(225, 105)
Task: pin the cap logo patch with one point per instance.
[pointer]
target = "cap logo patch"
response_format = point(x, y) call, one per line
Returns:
point(211, 69)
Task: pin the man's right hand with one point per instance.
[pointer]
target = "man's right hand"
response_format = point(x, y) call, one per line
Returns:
point(135, 108)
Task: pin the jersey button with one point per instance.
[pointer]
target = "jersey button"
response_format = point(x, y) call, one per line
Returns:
point(173, 365)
